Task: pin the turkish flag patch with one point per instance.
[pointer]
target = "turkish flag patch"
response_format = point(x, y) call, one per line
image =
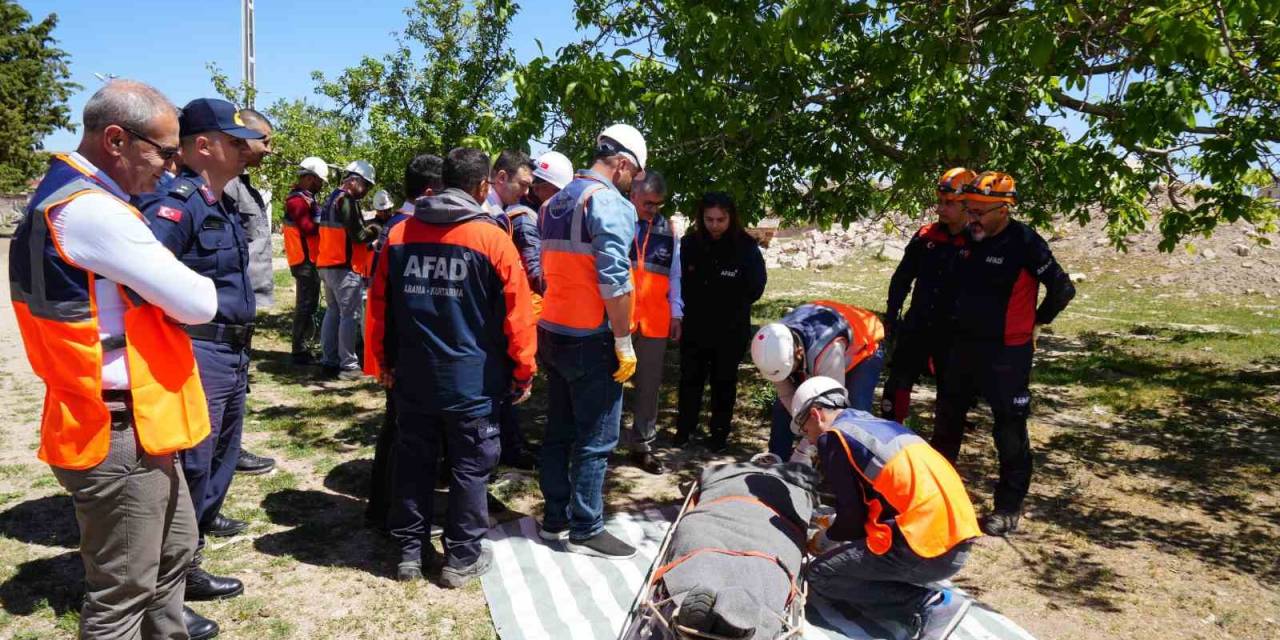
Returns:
point(170, 214)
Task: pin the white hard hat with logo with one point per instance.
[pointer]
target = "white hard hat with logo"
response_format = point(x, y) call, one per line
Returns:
point(773, 350)
point(816, 392)
point(555, 168)
point(314, 166)
point(624, 138)
point(363, 169)
point(382, 201)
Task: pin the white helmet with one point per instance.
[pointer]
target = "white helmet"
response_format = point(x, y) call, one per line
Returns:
point(555, 168)
point(314, 166)
point(818, 391)
point(382, 201)
point(626, 139)
point(363, 169)
point(774, 351)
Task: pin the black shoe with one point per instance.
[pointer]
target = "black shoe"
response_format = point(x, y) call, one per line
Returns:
point(408, 571)
point(1000, 524)
point(302, 359)
point(452, 577)
point(680, 440)
point(202, 585)
point(198, 626)
point(224, 527)
point(602, 545)
point(523, 461)
point(252, 464)
point(648, 462)
point(552, 534)
point(328, 372)
point(717, 444)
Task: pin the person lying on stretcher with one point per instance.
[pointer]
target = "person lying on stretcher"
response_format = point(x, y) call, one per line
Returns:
point(902, 517)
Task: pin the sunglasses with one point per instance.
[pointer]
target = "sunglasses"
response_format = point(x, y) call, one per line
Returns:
point(166, 153)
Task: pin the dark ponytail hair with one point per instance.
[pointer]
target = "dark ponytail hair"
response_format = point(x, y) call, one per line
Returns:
point(724, 202)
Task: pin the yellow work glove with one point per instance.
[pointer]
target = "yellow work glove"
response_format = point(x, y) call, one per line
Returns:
point(626, 358)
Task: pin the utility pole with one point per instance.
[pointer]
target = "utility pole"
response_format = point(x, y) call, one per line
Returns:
point(248, 50)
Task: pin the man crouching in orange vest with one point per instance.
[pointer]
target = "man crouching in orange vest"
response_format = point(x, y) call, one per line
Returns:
point(902, 517)
point(98, 299)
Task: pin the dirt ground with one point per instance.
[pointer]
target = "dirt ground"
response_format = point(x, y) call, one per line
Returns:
point(1155, 511)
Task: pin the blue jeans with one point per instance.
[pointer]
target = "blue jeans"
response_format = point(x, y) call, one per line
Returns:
point(582, 429)
point(861, 385)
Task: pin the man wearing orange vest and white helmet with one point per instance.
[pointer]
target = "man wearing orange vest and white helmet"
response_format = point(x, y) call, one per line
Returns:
point(902, 516)
point(824, 338)
point(344, 247)
point(301, 233)
point(99, 300)
point(584, 338)
point(655, 268)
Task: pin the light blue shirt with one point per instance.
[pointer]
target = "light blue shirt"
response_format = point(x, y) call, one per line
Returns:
point(610, 219)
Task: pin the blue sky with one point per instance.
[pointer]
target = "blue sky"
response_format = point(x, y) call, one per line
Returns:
point(168, 44)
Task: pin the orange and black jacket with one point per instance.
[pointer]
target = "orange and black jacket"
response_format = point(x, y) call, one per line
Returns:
point(928, 264)
point(450, 309)
point(998, 281)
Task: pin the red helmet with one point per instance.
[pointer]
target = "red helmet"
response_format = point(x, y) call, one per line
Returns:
point(953, 181)
point(992, 186)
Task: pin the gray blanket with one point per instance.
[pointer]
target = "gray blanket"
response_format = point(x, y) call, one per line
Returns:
point(741, 596)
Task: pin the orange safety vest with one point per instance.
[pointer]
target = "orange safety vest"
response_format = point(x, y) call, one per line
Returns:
point(57, 313)
point(335, 248)
point(297, 248)
point(362, 259)
point(866, 327)
point(651, 261)
point(904, 481)
point(572, 301)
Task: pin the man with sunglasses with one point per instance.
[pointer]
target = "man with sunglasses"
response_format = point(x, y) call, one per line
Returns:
point(199, 223)
point(997, 279)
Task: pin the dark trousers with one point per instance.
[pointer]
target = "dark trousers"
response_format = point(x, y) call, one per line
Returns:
point(1000, 374)
point(472, 453)
point(583, 416)
point(306, 301)
point(717, 361)
point(383, 476)
point(889, 585)
point(210, 465)
point(915, 351)
point(137, 537)
point(512, 436)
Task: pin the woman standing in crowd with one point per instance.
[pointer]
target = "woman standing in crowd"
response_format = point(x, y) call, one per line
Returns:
point(723, 274)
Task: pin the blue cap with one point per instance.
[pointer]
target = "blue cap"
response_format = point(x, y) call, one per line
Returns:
point(210, 114)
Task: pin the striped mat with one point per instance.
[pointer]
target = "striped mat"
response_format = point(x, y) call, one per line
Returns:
point(536, 591)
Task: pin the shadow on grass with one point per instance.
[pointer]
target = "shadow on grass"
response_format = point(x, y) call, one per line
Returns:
point(56, 582)
point(327, 531)
point(49, 521)
point(1197, 436)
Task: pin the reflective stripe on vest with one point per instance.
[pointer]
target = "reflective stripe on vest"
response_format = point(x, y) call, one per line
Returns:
point(335, 247)
point(572, 300)
point(906, 481)
point(865, 327)
point(298, 248)
point(651, 260)
point(818, 327)
point(58, 321)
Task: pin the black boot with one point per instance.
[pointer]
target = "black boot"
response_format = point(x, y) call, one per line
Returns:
point(198, 626)
point(202, 585)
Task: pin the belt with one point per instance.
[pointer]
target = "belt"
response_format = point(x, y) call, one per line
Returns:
point(236, 335)
point(111, 343)
point(119, 404)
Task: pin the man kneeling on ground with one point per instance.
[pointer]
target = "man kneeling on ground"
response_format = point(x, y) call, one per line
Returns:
point(903, 519)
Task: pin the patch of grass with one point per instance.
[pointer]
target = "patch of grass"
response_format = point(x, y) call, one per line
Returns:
point(13, 470)
point(44, 481)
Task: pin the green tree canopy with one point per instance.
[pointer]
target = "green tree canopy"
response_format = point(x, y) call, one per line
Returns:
point(34, 87)
point(831, 110)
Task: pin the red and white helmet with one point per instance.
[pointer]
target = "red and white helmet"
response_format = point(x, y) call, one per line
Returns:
point(773, 350)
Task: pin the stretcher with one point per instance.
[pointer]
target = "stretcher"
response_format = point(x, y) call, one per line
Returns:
point(653, 612)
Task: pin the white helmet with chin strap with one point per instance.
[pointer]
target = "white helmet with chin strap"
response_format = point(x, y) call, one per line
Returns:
point(312, 165)
point(773, 350)
point(624, 138)
point(382, 201)
point(816, 392)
